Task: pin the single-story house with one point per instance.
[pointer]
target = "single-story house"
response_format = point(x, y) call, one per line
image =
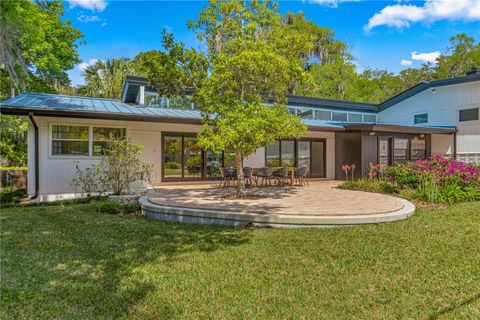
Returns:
point(431, 118)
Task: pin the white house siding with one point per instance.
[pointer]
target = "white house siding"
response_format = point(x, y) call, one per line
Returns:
point(442, 105)
point(57, 172)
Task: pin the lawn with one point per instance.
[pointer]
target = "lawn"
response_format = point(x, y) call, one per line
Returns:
point(69, 262)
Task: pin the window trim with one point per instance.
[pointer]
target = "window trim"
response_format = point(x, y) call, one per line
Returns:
point(90, 155)
point(420, 114)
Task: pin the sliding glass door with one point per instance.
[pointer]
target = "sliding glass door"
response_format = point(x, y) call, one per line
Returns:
point(308, 153)
point(183, 159)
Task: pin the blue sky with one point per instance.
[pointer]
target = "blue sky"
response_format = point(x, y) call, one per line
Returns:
point(390, 35)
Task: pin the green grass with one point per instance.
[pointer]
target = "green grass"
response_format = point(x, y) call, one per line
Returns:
point(69, 262)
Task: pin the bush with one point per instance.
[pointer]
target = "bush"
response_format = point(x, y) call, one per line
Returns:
point(120, 167)
point(434, 180)
point(172, 165)
point(370, 185)
point(115, 207)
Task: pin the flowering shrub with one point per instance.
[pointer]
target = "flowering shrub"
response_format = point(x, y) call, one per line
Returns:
point(434, 180)
point(440, 170)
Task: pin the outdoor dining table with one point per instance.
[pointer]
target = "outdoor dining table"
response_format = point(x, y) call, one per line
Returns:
point(291, 170)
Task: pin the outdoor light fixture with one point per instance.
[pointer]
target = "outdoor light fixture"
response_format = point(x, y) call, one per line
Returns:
point(422, 135)
point(372, 133)
point(434, 90)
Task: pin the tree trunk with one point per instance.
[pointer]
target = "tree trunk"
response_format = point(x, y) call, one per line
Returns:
point(240, 181)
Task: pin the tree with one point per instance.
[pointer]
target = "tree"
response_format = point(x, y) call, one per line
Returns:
point(174, 71)
point(104, 79)
point(249, 65)
point(462, 55)
point(36, 45)
point(13, 140)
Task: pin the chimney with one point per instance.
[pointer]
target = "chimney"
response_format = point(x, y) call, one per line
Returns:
point(134, 89)
point(473, 72)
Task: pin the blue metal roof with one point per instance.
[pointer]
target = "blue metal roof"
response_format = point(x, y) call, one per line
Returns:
point(35, 102)
point(77, 107)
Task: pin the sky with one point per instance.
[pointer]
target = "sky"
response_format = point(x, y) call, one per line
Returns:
point(391, 35)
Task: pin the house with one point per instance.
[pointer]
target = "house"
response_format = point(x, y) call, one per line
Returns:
point(66, 132)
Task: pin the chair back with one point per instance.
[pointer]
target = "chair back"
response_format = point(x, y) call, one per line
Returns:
point(281, 172)
point(247, 172)
point(264, 172)
point(222, 172)
point(301, 172)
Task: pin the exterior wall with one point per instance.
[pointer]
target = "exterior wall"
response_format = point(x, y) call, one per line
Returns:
point(57, 172)
point(442, 106)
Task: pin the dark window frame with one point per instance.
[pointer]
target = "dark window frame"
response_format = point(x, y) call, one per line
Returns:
point(474, 110)
point(417, 118)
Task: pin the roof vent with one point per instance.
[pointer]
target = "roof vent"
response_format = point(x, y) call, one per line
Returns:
point(134, 89)
point(473, 72)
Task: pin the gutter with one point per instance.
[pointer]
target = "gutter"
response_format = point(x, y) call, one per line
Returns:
point(37, 176)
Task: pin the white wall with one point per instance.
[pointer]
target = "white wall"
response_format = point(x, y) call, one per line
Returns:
point(57, 172)
point(442, 106)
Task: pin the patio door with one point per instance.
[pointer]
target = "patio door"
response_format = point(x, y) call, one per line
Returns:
point(384, 151)
point(311, 154)
point(182, 158)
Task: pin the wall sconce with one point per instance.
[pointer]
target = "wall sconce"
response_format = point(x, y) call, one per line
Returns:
point(422, 135)
point(372, 133)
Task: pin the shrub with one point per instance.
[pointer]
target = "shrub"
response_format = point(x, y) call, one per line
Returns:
point(370, 185)
point(115, 207)
point(119, 168)
point(172, 165)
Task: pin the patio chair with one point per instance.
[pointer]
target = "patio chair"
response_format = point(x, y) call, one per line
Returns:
point(228, 175)
point(280, 175)
point(301, 176)
point(266, 174)
point(248, 176)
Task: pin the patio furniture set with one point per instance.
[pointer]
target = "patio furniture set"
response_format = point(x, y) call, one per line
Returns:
point(266, 176)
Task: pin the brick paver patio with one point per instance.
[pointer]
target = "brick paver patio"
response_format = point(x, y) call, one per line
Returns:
point(321, 198)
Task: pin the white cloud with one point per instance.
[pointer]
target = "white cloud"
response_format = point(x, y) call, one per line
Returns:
point(403, 15)
point(82, 66)
point(426, 57)
point(104, 23)
point(93, 5)
point(406, 62)
point(86, 19)
point(330, 3)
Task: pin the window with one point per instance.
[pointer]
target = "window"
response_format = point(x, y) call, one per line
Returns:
point(273, 154)
point(369, 118)
point(400, 150)
point(305, 113)
point(354, 117)
point(417, 149)
point(420, 118)
point(292, 111)
point(102, 136)
point(468, 114)
point(288, 153)
point(323, 115)
point(70, 140)
point(339, 116)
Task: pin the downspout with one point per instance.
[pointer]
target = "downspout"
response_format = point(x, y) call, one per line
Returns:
point(37, 180)
point(455, 145)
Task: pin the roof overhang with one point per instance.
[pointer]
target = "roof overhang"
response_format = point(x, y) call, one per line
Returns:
point(95, 115)
point(326, 128)
point(400, 128)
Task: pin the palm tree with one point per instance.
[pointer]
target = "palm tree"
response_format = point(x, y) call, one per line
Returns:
point(104, 78)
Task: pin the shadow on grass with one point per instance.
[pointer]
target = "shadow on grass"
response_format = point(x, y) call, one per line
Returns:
point(70, 262)
point(454, 307)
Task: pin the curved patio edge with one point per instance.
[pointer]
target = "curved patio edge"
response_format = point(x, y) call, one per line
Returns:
point(218, 217)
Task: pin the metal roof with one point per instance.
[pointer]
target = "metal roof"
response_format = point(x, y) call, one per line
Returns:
point(84, 107)
point(97, 108)
point(422, 86)
point(313, 102)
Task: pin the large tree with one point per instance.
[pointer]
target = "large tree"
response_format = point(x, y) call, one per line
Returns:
point(105, 78)
point(36, 44)
point(247, 53)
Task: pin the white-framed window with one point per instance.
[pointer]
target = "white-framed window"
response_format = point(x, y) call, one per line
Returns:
point(82, 140)
point(369, 118)
point(68, 140)
point(102, 136)
point(323, 115)
point(339, 116)
point(468, 114)
point(354, 117)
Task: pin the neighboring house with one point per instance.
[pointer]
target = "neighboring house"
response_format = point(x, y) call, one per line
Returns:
point(436, 118)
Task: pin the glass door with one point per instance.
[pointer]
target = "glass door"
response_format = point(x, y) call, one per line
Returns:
point(182, 158)
point(384, 151)
point(317, 167)
point(193, 162)
point(172, 157)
